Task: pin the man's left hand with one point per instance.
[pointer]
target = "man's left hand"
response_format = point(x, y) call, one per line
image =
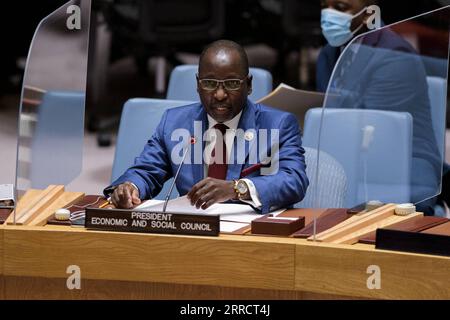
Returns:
point(209, 191)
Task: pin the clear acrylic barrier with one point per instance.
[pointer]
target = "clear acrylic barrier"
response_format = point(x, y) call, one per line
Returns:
point(51, 118)
point(8, 143)
point(383, 119)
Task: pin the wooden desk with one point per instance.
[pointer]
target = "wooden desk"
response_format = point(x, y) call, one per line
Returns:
point(2, 283)
point(149, 266)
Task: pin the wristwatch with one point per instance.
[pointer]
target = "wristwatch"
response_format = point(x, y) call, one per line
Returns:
point(241, 188)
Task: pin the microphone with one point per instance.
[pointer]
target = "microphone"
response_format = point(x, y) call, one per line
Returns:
point(367, 138)
point(166, 201)
point(368, 133)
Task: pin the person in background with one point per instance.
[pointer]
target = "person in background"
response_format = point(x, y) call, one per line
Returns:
point(389, 75)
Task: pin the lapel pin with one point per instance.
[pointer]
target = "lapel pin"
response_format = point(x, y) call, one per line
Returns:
point(249, 136)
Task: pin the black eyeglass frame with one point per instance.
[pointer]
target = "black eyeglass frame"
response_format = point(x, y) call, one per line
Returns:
point(223, 82)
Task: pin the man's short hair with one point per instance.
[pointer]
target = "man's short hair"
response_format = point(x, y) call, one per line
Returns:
point(227, 45)
point(369, 2)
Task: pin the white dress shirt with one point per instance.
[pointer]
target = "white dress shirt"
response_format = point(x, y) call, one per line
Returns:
point(210, 142)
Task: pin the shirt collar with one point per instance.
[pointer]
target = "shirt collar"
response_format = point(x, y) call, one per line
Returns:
point(354, 46)
point(232, 124)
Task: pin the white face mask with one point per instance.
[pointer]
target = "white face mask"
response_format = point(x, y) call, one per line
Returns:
point(336, 26)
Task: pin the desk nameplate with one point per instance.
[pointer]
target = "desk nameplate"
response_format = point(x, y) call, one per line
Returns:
point(152, 222)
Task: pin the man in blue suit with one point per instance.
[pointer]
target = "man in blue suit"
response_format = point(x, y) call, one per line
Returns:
point(251, 153)
point(381, 71)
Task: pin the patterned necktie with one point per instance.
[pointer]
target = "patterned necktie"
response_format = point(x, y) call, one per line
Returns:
point(218, 165)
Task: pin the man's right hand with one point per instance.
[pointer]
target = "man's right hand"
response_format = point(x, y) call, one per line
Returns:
point(125, 196)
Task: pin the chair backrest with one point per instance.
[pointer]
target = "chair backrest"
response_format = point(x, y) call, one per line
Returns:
point(331, 187)
point(183, 84)
point(377, 169)
point(437, 91)
point(138, 122)
point(173, 22)
point(57, 144)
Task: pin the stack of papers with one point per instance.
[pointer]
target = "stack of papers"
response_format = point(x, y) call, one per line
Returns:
point(232, 216)
point(293, 100)
point(230, 227)
point(227, 211)
point(6, 194)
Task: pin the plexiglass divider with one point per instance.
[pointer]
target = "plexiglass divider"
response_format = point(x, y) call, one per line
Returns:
point(51, 117)
point(379, 135)
point(8, 143)
point(383, 119)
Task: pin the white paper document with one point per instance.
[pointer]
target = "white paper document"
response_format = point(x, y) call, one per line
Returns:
point(277, 212)
point(227, 226)
point(293, 100)
point(240, 217)
point(149, 203)
point(282, 218)
point(183, 205)
point(6, 192)
point(230, 212)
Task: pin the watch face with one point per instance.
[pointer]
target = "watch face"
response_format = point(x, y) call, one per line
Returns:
point(242, 187)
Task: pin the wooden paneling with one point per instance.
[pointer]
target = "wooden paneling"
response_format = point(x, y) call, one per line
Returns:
point(355, 223)
point(34, 208)
point(150, 258)
point(42, 288)
point(30, 196)
point(2, 296)
point(64, 200)
point(342, 270)
point(147, 266)
point(353, 238)
point(1, 249)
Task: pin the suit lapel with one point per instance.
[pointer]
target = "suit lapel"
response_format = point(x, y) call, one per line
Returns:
point(197, 168)
point(247, 122)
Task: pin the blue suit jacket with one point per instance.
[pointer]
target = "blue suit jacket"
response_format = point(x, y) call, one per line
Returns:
point(282, 189)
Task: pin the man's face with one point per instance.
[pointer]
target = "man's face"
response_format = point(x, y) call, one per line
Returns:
point(223, 104)
point(347, 6)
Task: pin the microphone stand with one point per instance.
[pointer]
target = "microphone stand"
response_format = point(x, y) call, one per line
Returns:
point(174, 181)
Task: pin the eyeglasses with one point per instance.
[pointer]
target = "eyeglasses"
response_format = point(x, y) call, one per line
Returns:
point(213, 84)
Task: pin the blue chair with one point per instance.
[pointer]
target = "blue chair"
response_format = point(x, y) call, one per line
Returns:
point(374, 148)
point(437, 92)
point(331, 187)
point(57, 143)
point(183, 84)
point(139, 120)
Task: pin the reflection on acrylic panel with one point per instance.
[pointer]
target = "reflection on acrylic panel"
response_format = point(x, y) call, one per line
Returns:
point(383, 118)
point(52, 107)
